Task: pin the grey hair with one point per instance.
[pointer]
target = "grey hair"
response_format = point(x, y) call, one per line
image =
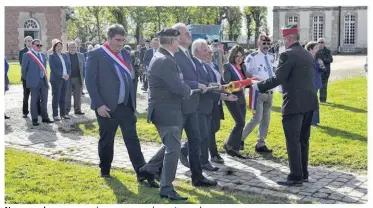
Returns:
point(321, 39)
point(197, 44)
point(27, 37)
point(71, 43)
point(116, 29)
point(178, 25)
point(167, 40)
point(155, 39)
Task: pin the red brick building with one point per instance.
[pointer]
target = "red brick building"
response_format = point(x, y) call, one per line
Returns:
point(44, 23)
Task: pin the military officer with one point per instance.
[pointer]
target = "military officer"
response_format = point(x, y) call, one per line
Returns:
point(166, 92)
point(260, 64)
point(295, 74)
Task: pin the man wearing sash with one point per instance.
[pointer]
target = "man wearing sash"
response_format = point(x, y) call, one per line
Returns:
point(34, 72)
point(295, 74)
point(109, 84)
point(260, 64)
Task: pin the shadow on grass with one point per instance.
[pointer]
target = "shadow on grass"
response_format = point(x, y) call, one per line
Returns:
point(344, 107)
point(344, 134)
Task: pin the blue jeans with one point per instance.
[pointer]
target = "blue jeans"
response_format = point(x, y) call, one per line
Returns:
point(58, 97)
point(316, 115)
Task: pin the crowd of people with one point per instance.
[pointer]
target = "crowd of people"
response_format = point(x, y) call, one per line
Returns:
point(188, 82)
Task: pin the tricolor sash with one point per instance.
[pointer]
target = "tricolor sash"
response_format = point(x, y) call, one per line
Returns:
point(236, 71)
point(253, 97)
point(122, 64)
point(38, 62)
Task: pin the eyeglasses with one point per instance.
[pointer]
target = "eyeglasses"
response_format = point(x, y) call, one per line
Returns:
point(321, 42)
point(266, 43)
point(39, 45)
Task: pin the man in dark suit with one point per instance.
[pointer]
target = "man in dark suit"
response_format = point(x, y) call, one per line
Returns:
point(166, 92)
point(109, 84)
point(34, 64)
point(147, 58)
point(26, 91)
point(295, 75)
point(326, 56)
point(190, 109)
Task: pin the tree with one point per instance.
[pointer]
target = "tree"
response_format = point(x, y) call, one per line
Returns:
point(234, 18)
point(118, 15)
point(98, 13)
point(259, 15)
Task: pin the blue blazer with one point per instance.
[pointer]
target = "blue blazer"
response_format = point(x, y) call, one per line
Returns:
point(317, 75)
point(31, 70)
point(148, 56)
point(56, 67)
point(190, 76)
point(102, 80)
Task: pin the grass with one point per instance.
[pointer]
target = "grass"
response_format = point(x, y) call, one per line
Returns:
point(14, 73)
point(32, 179)
point(340, 141)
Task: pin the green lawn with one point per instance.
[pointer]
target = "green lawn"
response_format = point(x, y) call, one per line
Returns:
point(14, 73)
point(32, 179)
point(340, 141)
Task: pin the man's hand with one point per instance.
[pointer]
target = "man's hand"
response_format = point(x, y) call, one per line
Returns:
point(219, 87)
point(103, 111)
point(230, 97)
point(202, 87)
point(66, 77)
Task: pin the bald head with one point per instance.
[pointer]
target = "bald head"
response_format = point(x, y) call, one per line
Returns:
point(185, 37)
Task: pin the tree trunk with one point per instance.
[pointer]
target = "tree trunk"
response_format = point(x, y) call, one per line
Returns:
point(138, 32)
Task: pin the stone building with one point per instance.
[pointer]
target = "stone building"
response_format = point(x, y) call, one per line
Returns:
point(344, 28)
point(44, 23)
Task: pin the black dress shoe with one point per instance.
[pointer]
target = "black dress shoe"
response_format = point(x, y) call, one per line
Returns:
point(306, 180)
point(289, 183)
point(153, 184)
point(204, 182)
point(47, 120)
point(79, 113)
point(217, 159)
point(35, 122)
point(263, 149)
point(233, 153)
point(209, 167)
point(145, 175)
point(184, 160)
point(173, 196)
point(6, 117)
point(108, 176)
point(24, 116)
point(242, 145)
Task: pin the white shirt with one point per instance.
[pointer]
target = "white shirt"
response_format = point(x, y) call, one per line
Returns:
point(38, 54)
point(216, 72)
point(63, 64)
point(256, 65)
point(200, 61)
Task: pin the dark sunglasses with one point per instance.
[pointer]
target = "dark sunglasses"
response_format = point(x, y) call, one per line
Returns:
point(39, 45)
point(321, 42)
point(266, 43)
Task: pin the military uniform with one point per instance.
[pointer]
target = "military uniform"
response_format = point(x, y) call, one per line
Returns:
point(295, 74)
point(262, 66)
point(166, 92)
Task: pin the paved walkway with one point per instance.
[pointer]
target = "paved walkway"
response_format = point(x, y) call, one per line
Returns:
point(62, 140)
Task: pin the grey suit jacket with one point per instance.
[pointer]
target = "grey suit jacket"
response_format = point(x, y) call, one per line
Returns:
point(81, 60)
point(295, 74)
point(166, 90)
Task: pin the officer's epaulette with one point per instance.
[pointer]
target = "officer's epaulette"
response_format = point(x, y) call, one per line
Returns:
point(254, 53)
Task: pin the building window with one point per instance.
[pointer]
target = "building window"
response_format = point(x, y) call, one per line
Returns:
point(292, 20)
point(318, 27)
point(349, 37)
point(31, 28)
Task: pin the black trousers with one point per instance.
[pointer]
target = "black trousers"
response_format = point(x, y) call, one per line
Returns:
point(192, 146)
point(215, 126)
point(297, 129)
point(324, 89)
point(124, 117)
point(238, 112)
point(26, 96)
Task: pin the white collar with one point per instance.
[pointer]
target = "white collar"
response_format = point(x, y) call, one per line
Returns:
point(183, 49)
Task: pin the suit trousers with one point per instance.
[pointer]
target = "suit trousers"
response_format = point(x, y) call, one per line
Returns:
point(238, 112)
point(39, 95)
point(135, 82)
point(125, 118)
point(215, 126)
point(297, 129)
point(167, 156)
point(145, 81)
point(74, 87)
point(205, 132)
point(58, 97)
point(262, 117)
point(26, 95)
point(324, 89)
point(192, 146)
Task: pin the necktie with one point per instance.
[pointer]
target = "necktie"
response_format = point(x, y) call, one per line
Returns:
point(268, 67)
point(190, 58)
